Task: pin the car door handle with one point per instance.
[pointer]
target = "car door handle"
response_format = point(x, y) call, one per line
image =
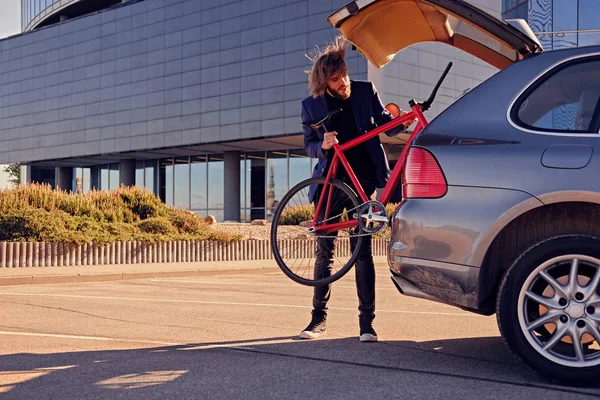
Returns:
point(567, 156)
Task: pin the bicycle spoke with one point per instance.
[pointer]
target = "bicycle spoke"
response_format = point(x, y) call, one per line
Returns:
point(290, 248)
point(306, 268)
point(303, 258)
point(299, 266)
point(338, 260)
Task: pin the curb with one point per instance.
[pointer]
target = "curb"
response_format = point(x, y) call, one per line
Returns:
point(81, 278)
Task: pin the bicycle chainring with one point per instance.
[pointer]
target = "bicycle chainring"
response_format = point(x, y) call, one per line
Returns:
point(372, 217)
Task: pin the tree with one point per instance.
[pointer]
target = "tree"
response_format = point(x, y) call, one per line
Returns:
point(14, 173)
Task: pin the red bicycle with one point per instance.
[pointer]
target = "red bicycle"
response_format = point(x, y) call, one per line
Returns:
point(341, 218)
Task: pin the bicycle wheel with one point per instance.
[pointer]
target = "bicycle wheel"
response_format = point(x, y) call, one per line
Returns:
point(296, 248)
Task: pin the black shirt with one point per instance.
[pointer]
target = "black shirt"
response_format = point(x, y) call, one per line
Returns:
point(345, 126)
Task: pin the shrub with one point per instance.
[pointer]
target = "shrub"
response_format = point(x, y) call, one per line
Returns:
point(38, 213)
point(157, 226)
point(296, 214)
point(186, 222)
point(30, 224)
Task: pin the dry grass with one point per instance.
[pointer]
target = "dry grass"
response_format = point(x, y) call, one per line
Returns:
point(37, 213)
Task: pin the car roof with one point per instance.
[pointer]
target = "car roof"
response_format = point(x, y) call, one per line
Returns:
point(493, 97)
point(571, 51)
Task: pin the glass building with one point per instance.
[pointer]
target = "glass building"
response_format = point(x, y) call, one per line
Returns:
point(558, 23)
point(196, 100)
point(38, 13)
point(197, 182)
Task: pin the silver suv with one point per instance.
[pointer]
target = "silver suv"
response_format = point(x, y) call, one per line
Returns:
point(506, 218)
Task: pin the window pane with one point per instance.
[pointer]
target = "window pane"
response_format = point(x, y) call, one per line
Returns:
point(150, 175)
point(566, 100)
point(217, 213)
point(255, 184)
point(198, 185)
point(104, 177)
point(564, 19)
point(139, 173)
point(560, 118)
point(299, 167)
point(166, 181)
point(215, 182)
point(182, 183)
point(521, 11)
point(114, 176)
point(77, 173)
point(242, 184)
point(86, 180)
point(589, 14)
point(277, 180)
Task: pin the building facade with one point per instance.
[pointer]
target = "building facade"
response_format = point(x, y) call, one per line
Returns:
point(196, 100)
point(558, 23)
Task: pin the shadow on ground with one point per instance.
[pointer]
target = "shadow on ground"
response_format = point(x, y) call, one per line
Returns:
point(280, 367)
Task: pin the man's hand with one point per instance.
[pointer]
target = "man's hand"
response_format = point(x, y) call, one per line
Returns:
point(410, 121)
point(329, 140)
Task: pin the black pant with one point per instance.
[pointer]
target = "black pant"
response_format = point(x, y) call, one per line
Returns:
point(364, 267)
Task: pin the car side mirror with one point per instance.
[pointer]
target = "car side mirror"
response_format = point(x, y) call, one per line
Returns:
point(393, 109)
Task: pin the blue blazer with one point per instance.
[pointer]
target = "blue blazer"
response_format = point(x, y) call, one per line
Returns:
point(369, 113)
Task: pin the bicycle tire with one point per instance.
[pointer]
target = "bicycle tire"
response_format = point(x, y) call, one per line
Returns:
point(275, 248)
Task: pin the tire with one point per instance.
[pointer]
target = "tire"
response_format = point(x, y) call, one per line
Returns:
point(308, 245)
point(518, 311)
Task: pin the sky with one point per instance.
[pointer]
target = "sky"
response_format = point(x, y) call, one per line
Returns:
point(10, 24)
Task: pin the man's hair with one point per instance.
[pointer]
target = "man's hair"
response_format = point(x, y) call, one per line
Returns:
point(327, 63)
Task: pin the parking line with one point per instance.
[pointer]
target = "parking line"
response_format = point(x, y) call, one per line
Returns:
point(96, 338)
point(233, 283)
point(224, 303)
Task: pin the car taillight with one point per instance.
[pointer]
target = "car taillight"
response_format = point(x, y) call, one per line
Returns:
point(423, 178)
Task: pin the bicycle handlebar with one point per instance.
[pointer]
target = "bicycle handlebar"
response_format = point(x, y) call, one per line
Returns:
point(427, 103)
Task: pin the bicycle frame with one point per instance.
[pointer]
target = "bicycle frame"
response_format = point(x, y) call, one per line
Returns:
point(392, 181)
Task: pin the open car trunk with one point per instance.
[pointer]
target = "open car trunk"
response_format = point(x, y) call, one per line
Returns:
point(381, 28)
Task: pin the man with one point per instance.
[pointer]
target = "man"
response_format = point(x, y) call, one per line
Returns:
point(362, 111)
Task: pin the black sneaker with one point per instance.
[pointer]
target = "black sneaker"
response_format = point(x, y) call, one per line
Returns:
point(367, 333)
point(317, 326)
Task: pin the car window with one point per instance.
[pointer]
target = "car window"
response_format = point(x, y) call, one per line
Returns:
point(565, 101)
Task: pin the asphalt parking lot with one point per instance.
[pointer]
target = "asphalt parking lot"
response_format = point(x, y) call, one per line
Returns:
point(234, 336)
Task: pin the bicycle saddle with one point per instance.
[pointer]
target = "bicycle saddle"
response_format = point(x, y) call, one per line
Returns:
point(317, 123)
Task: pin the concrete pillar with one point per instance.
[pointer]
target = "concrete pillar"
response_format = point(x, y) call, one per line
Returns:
point(232, 185)
point(95, 178)
point(127, 173)
point(64, 178)
point(25, 174)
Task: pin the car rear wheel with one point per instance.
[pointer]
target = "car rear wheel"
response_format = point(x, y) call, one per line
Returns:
point(548, 309)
